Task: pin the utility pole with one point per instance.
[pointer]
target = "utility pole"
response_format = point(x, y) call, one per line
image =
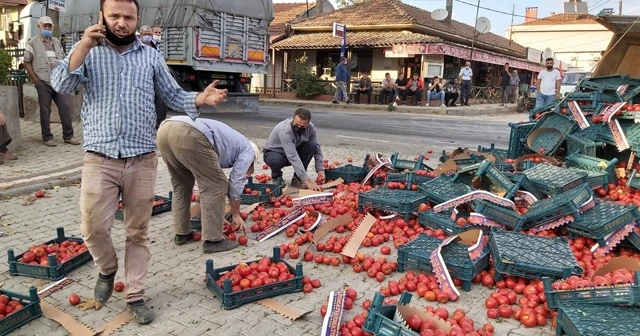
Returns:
point(449, 8)
point(55, 17)
point(513, 13)
point(620, 7)
point(475, 35)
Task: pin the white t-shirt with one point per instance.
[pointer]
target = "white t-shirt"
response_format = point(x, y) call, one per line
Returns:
point(466, 73)
point(548, 81)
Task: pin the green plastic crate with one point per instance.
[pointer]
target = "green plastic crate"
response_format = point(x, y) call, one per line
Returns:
point(29, 312)
point(53, 271)
point(442, 189)
point(558, 126)
point(380, 318)
point(531, 257)
point(231, 300)
point(603, 219)
point(410, 178)
point(442, 221)
point(157, 209)
point(505, 216)
point(614, 295)
point(403, 202)
point(401, 164)
point(349, 173)
point(598, 320)
point(518, 139)
point(553, 180)
point(417, 254)
point(263, 196)
point(547, 210)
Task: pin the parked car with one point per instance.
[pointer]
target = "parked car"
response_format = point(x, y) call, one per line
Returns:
point(571, 79)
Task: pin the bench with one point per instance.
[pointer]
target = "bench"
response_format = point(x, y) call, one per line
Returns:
point(375, 92)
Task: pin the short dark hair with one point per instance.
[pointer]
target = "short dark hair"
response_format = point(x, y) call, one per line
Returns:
point(435, 77)
point(506, 63)
point(135, 2)
point(387, 74)
point(303, 114)
point(549, 59)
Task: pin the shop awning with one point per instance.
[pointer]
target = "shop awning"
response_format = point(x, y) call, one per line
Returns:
point(356, 39)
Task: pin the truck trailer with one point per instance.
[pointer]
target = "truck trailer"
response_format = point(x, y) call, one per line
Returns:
point(202, 41)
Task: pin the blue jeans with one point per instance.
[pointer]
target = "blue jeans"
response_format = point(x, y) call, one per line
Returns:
point(439, 95)
point(543, 100)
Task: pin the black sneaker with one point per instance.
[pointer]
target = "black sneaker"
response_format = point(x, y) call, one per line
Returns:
point(221, 246)
point(141, 312)
point(335, 102)
point(182, 239)
point(104, 288)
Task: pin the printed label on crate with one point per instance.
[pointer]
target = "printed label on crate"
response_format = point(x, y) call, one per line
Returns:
point(632, 159)
point(613, 239)
point(318, 223)
point(553, 224)
point(333, 317)
point(381, 164)
point(528, 197)
point(54, 287)
point(318, 198)
point(610, 111)
point(472, 196)
point(576, 111)
point(618, 135)
point(622, 89)
point(588, 205)
point(390, 216)
point(442, 274)
point(295, 215)
point(479, 219)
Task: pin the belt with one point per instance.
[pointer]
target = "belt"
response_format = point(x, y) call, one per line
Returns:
point(119, 156)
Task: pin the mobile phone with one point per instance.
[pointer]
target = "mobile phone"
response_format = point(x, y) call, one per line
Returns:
point(100, 18)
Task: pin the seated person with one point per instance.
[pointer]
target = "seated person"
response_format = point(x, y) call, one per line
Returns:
point(435, 91)
point(387, 88)
point(5, 140)
point(364, 87)
point(401, 89)
point(451, 94)
point(414, 88)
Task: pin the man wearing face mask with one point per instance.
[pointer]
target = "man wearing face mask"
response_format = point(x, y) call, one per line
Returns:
point(120, 76)
point(294, 142)
point(157, 34)
point(146, 36)
point(41, 55)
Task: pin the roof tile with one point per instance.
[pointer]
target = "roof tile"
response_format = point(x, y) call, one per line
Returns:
point(285, 13)
point(558, 19)
point(388, 12)
point(357, 39)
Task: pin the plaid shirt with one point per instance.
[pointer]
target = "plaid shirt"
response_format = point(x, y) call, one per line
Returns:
point(118, 111)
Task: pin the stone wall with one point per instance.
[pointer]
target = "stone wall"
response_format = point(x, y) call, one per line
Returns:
point(32, 108)
point(9, 107)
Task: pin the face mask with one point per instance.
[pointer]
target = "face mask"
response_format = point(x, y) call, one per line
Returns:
point(297, 129)
point(157, 38)
point(146, 39)
point(549, 67)
point(119, 41)
point(46, 33)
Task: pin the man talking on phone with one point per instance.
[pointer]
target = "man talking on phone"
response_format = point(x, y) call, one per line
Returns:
point(120, 76)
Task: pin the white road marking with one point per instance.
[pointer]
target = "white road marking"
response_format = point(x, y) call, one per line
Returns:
point(359, 138)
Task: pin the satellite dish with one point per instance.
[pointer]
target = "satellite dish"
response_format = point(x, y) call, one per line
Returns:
point(548, 53)
point(483, 25)
point(439, 14)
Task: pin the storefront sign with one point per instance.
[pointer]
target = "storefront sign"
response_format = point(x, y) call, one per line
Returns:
point(464, 53)
point(391, 54)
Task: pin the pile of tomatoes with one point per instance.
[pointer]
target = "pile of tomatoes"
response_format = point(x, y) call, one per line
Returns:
point(264, 272)
point(9, 306)
point(38, 255)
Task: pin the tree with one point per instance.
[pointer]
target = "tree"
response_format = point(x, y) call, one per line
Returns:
point(5, 65)
point(307, 85)
point(343, 3)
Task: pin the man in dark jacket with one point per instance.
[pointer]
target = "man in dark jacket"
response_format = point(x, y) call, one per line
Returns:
point(342, 77)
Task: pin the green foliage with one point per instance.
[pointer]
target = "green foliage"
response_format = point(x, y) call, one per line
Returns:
point(307, 85)
point(391, 108)
point(343, 3)
point(5, 65)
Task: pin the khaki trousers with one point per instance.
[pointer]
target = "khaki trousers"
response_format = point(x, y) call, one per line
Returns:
point(103, 181)
point(190, 157)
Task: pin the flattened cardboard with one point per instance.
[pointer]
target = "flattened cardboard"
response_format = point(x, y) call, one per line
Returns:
point(406, 311)
point(116, 323)
point(619, 263)
point(333, 184)
point(448, 167)
point(352, 246)
point(74, 327)
point(331, 225)
point(282, 309)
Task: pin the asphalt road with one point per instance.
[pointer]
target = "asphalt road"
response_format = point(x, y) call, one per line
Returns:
point(383, 132)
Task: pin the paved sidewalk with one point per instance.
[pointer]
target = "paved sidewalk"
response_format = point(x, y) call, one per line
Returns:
point(40, 166)
point(184, 306)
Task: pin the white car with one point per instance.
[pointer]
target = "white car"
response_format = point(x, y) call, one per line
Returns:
point(571, 79)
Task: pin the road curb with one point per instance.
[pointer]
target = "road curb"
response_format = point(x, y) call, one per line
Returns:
point(398, 109)
point(40, 185)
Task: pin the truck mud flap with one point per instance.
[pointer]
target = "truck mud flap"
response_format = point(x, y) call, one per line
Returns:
point(236, 102)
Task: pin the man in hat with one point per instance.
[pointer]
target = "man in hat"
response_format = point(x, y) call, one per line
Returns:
point(41, 55)
point(198, 150)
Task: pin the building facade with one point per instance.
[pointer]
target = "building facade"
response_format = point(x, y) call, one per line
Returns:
point(391, 36)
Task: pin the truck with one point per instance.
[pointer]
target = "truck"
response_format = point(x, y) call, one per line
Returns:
point(622, 53)
point(202, 41)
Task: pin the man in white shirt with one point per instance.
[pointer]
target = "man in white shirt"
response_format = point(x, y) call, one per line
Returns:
point(465, 77)
point(548, 85)
point(387, 89)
